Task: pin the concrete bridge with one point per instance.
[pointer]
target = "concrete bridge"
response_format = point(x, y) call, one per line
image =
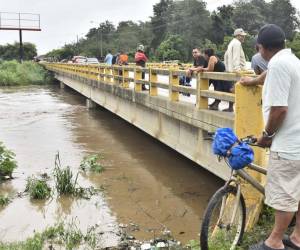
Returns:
point(179, 121)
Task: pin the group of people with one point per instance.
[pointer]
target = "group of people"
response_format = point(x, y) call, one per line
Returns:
point(234, 61)
point(121, 58)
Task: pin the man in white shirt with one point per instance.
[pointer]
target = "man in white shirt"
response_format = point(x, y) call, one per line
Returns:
point(281, 92)
point(234, 57)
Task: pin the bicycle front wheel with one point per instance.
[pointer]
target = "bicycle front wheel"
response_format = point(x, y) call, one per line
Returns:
point(223, 223)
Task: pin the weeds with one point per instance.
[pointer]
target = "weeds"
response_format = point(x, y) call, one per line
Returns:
point(72, 235)
point(37, 188)
point(68, 236)
point(63, 178)
point(4, 200)
point(15, 73)
point(87, 193)
point(91, 163)
point(7, 161)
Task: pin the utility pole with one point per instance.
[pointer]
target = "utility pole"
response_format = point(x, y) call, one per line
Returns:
point(21, 47)
point(101, 44)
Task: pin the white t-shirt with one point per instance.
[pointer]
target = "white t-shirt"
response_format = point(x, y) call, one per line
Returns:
point(282, 88)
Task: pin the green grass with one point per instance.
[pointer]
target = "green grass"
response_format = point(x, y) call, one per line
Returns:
point(4, 200)
point(69, 236)
point(37, 188)
point(91, 163)
point(259, 233)
point(65, 181)
point(14, 73)
point(7, 161)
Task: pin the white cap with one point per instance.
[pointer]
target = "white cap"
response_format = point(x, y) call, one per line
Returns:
point(141, 47)
point(240, 32)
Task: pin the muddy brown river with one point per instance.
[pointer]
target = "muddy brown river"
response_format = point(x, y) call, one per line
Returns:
point(145, 182)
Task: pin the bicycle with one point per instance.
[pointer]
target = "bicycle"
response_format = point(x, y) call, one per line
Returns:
point(225, 216)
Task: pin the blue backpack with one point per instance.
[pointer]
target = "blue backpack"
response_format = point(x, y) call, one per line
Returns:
point(239, 155)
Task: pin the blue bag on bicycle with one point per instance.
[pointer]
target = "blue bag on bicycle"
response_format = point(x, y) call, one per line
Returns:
point(223, 140)
point(240, 156)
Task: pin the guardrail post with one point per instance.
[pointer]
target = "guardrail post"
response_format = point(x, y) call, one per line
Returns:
point(125, 76)
point(108, 74)
point(202, 84)
point(153, 79)
point(102, 74)
point(115, 75)
point(137, 76)
point(249, 121)
point(173, 81)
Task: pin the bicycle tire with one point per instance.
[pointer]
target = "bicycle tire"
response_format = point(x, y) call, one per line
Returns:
point(212, 204)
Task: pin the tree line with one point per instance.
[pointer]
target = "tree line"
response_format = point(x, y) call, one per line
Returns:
point(12, 51)
point(177, 26)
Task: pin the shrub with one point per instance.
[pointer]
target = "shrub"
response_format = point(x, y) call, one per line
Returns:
point(37, 188)
point(14, 73)
point(7, 161)
point(4, 200)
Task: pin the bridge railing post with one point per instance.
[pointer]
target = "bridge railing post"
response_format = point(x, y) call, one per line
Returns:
point(173, 81)
point(125, 77)
point(201, 84)
point(137, 77)
point(249, 121)
point(102, 74)
point(153, 80)
point(115, 75)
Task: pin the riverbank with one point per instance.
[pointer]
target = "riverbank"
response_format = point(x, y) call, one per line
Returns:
point(13, 73)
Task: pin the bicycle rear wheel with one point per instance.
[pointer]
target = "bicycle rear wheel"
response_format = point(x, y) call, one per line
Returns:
point(220, 229)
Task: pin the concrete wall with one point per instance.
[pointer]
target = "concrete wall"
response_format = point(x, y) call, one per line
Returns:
point(179, 125)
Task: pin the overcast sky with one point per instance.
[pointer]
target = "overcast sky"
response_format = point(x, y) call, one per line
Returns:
point(63, 20)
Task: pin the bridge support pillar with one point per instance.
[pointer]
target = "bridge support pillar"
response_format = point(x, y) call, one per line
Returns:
point(61, 85)
point(90, 104)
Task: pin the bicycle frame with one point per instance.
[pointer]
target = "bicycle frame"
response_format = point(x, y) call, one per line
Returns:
point(233, 179)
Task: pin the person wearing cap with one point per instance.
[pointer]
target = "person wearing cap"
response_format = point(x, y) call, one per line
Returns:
point(281, 92)
point(234, 57)
point(140, 60)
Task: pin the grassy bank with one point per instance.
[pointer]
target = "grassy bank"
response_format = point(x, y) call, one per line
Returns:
point(259, 233)
point(13, 73)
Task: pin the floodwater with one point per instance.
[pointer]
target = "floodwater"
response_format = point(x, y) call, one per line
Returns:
point(145, 182)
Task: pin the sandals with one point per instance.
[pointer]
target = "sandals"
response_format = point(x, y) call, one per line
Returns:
point(263, 246)
point(287, 242)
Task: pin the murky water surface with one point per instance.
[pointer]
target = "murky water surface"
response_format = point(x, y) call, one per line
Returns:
point(146, 183)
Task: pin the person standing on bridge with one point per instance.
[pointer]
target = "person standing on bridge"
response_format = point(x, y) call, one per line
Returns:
point(258, 63)
point(123, 58)
point(215, 65)
point(281, 93)
point(234, 57)
point(108, 58)
point(140, 60)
